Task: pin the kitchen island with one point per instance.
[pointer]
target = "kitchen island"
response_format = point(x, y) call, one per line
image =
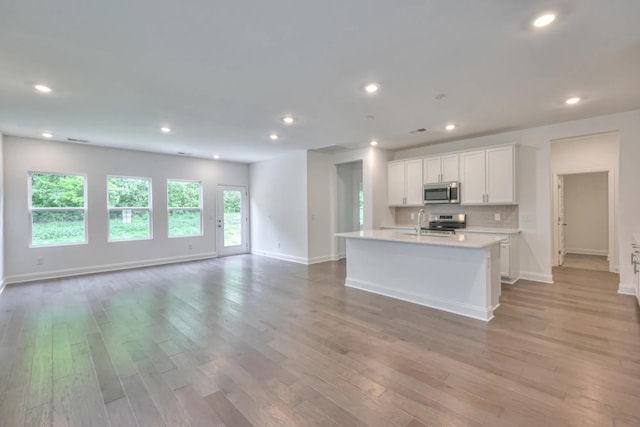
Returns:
point(459, 273)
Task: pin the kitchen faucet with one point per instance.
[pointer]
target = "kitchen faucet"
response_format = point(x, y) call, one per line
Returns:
point(421, 215)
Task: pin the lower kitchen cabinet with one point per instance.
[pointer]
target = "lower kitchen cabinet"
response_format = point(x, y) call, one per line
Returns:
point(509, 254)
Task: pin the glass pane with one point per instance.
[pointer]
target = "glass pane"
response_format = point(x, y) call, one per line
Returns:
point(128, 192)
point(232, 218)
point(57, 191)
point(184, 223)
point(60, 227)
point(183, 194)
point(129, 224)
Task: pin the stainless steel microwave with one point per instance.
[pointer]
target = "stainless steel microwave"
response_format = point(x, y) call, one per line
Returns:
point(442, 192)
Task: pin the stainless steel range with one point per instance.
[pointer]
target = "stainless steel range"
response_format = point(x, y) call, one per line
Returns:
point(446, 224)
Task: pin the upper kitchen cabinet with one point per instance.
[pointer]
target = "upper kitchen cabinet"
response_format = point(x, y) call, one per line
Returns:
point(441, 169)
point(489, 176)
point(405, 183)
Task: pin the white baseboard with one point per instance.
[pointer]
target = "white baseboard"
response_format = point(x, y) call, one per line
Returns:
point(626, 289)
point(54, 274)
point(586, 251)
point(476, 312)
point(296, 259)
point(324, 258)
point(280, 256)
point(536, 277)
point(509, 281)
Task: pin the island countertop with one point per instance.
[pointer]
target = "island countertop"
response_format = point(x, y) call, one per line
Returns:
point(400, 236)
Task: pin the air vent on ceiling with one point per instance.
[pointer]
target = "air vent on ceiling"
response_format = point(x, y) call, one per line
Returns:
point(419, 130)
point(77, 140)
point(332, 149)
point(181, 153)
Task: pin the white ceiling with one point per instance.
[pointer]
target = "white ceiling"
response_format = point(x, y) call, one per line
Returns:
point(222, 73)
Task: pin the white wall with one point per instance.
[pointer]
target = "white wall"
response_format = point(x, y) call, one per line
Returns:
point(586, 213)
point(589, 153)
point(2, 243)
point(319, 205)
point(22, 155)
point(348, 206)
point(279, 207)
point(534, 184)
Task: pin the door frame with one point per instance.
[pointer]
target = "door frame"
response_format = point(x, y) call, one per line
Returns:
point(611, 179)
point(244, 247)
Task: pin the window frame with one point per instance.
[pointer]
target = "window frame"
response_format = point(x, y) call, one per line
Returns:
point(31, 209)
point(201, 209)
point(132, 208)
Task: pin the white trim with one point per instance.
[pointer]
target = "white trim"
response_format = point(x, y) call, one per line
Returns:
point(296, 259)
point(473, 311)
point(3, 284)
point(319, 259)
point(53, 274)
point(536, 277)
point(586, 251)
point(508, 280)
point(282, 257)
point(626, 289)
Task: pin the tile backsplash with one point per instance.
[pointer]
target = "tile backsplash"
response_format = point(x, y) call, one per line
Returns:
point(477, 216)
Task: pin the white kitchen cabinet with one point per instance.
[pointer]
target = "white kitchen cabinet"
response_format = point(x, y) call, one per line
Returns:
point(509, 253)
point(442, 169)
point(505, 252)
point(405, 183)
point(489, 176)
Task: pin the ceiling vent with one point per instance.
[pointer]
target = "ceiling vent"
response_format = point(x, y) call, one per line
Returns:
point(419, 130)
point(77, 140)
point(332, 149)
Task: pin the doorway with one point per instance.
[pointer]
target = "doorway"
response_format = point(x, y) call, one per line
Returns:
point(232, 220)
point(350, 204)
point(583, 221)
point(585, 167)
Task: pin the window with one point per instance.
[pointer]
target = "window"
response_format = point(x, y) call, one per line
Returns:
point(185, 208)
point(57, 204)
point(129, 208)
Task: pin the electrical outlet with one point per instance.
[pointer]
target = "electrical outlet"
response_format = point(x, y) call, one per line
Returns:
point(497, 217)
point(413, 215)
point(190, 247)
point(39, 261)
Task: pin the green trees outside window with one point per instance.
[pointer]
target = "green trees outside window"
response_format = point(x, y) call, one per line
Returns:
point(57, 207)
point(129, 208)
point(185, 208)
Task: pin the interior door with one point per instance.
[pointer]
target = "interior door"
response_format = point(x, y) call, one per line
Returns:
point(232, 220)
point(561, 223)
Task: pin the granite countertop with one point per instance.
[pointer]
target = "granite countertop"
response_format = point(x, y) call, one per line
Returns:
point(399, 236)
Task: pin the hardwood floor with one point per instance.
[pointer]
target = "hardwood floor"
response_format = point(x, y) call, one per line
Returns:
point(250, 341)
point(586, 262)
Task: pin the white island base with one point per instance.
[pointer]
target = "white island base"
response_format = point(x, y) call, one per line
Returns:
point(461, 277)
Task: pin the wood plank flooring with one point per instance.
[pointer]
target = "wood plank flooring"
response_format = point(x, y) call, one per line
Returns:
point(586, 262)
point(251, 341)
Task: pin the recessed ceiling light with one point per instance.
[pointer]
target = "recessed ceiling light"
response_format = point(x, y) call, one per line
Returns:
point(287, 120)
point(450, 126)
point(42, 88)
point(572, 101)
point(371, 87)
point(374, 143)
point(215, 156)
point(273, 136)
point(544, 20)
point(165, 129)
point(47, 135)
